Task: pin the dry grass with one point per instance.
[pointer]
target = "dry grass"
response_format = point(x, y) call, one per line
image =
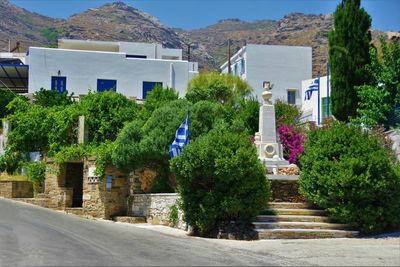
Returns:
point(6, 177)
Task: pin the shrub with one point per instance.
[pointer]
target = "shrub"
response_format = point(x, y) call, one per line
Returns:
point(106, 113)
point(36, 172)
point(146, 144)
point(203, 116)
point(9, 162)
point(350, 174)
point(286, 113)
point(292, 142)
point(223, 88)
point(244, 115)
point(5, 98)
point(173, 215)
point(158, 97)
point(50, 98)
point(220, 179)
point(30, 126)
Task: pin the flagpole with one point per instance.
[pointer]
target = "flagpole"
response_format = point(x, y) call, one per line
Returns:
point(327, 89)
point(319, 102)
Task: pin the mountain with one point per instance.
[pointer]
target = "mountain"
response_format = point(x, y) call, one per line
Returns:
point(209, 46)
point(21, 25)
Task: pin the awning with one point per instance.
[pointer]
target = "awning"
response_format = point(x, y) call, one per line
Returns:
point(14, 77)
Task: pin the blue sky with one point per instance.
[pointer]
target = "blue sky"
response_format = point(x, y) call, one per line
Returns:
point(192, 14)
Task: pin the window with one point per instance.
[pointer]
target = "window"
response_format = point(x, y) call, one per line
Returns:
point(148, 86)
point(242, 66)
point(106, 85)
point(135, 56)
point(291, 97)
point(109, 182)
point(236, 69)
point(59, 83)
point(324, 106)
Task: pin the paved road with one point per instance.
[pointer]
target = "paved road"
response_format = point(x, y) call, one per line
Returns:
point(33, 236)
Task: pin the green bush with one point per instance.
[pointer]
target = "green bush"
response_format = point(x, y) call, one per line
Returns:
point(9, 162)
point(351, 175)
point(5, 98)
point(220, 179)
point(50, 98)
point(157, 98)
point(106, 113)
point(286, 113)
point(223, 88)
point(36, 172)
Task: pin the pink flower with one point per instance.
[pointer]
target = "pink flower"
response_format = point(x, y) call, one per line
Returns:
point(292, 142)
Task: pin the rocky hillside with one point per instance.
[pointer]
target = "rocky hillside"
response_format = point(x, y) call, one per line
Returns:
point(118, 21)
point(21, 25)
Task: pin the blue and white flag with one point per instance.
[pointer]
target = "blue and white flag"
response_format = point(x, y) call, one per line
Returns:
point(181, 138)
point(314, 86)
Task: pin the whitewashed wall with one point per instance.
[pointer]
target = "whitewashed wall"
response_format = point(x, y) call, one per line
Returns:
point(283, 66)
point(83, 68)
point(310, 107)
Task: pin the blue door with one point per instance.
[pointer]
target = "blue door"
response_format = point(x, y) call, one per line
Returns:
point(106, 85)
point(59, 83)
point(148, 86)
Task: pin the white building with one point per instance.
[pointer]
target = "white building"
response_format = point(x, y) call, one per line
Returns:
point(283, 66)
point(309, 105)
point(128, 68)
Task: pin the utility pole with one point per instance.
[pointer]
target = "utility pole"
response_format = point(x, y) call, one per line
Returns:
point(189, 52)
point(229, 56)
point(9, 45)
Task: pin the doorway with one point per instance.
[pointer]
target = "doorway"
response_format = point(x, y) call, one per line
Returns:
point(74, 180)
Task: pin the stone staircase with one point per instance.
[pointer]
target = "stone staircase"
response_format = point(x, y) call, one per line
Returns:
point(288, 220)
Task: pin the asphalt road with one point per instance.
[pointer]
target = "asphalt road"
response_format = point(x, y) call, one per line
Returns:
point(33, 236)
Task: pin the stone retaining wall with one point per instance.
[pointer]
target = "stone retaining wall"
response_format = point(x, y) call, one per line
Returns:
point(16, 189)
point(156, 208)
point(285, 188)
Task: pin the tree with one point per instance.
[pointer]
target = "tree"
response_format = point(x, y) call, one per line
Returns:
point(220, 179)
point(223, 88)
point(145, 144)
point(5, 98)
point(106, 113)
point(380, 98)
point(286, 114)
point(349, 42)
point(50, 98)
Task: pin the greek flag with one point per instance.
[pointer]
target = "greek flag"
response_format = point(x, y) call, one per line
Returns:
point(181, 138)
point(314, 86)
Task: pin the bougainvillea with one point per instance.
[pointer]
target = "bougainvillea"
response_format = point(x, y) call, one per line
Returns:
point(292, 142)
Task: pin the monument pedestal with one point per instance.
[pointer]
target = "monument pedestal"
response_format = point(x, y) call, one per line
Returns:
point(269, 151)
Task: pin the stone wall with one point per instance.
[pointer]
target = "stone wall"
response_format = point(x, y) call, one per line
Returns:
point(156, 208)
point(97, 200)
point(100, 202)
point(285, 188)
point(16, 189)
point(59, 196)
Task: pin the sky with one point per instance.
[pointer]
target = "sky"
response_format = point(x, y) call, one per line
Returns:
point(193, 14)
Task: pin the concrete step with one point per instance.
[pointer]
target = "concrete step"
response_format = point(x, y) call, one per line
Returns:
point(303, 233)
point(291, 218)
point(295, 212)
point(76, 211)
point(129, 219)
point(299, 225)
point(289, 205)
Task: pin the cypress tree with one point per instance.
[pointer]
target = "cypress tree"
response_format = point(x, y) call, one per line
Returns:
point(349, 42)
